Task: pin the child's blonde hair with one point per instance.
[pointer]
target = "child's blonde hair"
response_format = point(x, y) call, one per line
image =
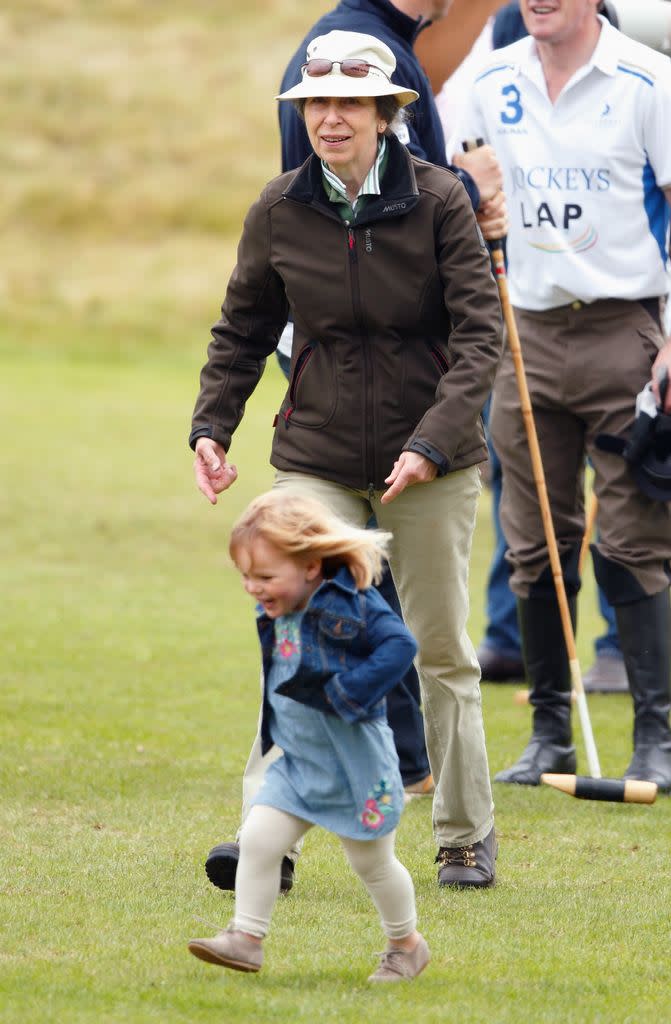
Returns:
point(302, 527)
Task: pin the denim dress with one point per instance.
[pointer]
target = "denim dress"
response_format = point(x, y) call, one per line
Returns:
point(343, 776)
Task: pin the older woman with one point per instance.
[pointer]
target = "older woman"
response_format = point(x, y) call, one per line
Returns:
point(377, 257)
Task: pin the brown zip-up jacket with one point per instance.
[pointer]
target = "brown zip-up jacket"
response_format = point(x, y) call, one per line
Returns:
point(397, 325)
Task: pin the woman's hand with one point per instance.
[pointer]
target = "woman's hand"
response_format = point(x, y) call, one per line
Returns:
point(213, 474)
point(410, 468)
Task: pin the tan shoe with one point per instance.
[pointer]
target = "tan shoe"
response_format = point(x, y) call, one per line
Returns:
point(229, 948)
point(425, 787)
point(397, 965)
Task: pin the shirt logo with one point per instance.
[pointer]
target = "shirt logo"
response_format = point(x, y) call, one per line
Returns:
point(392, 207)
point(512, 112)
point(551, 205)
point(606, 110)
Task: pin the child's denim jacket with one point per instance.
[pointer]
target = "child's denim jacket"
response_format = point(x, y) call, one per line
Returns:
point(354, 649)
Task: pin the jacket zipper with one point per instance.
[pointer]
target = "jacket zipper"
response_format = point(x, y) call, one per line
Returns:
point(304, 357)
point(368, 363)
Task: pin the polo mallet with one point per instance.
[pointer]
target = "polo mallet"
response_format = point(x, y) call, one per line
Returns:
point(592, 787)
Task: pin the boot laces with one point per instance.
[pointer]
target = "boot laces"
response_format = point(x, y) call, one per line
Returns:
point(458, 855)
point(393, 960)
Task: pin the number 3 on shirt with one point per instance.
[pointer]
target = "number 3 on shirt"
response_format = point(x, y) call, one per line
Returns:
point(513, 112)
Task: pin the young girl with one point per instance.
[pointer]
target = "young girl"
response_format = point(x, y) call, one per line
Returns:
point(331, 649)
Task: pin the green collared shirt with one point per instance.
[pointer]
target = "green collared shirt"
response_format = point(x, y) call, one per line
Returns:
point(337, 191)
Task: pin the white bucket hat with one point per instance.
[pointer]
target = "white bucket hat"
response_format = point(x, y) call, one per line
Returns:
point(338, 48)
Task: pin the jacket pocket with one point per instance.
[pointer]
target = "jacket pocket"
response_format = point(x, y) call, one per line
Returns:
point(439, 358)
point(424, 365)
point(312, 396)
point(338, 629)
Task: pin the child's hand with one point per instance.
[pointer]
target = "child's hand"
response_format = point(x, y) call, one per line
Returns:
point(213, 474)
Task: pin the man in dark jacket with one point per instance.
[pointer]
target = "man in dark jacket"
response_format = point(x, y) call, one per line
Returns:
point(396, 23)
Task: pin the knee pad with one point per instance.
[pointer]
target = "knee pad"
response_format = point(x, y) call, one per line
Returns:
point(544, 586)
point(617, 582)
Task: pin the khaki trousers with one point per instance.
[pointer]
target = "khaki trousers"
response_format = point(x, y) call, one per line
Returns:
point(432, 526)
point(584, 368)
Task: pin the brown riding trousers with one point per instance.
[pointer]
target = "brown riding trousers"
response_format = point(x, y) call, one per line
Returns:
point(584, 365)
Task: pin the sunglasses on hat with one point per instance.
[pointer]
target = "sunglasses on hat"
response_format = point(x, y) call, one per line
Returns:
point(351, 67)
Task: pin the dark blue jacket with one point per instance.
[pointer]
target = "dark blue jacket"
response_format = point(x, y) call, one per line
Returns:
point(508, 26)
point(354, 649)
point(381, 19)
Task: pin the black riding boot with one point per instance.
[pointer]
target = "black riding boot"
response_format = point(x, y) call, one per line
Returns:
point(644, 628)
point(546, 660)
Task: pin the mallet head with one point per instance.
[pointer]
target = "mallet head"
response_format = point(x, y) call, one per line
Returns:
point(584, 787)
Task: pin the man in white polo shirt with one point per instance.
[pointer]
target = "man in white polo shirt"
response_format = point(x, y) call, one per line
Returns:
point(579, 116)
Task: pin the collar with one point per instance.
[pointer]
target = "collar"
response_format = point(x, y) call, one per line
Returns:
point(370, 185)
point(608, 52)
point(604, 56)
point(343, 579)
point(400, 186)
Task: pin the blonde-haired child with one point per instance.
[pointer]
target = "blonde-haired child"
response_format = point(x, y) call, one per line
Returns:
point(331, 648)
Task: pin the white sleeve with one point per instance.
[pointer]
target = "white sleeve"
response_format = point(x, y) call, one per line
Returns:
point(656, 125)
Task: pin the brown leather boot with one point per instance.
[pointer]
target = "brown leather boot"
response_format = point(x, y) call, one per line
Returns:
point(469, 867)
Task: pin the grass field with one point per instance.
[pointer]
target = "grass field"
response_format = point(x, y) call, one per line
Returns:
point(129, 669)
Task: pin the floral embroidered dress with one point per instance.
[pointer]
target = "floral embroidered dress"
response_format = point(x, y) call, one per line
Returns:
point(344, 777)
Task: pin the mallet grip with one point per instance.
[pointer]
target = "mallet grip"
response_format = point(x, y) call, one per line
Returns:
point(495, 245)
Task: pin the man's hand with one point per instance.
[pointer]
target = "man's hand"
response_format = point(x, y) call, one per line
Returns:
point(213, 474)
point(410, 468)
point(483, 166)
point(663, 360)
point(492, 217)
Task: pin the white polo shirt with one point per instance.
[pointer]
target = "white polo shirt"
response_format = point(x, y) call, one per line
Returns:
point(583, 176)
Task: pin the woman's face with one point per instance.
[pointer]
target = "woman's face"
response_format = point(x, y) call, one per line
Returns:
point(343, 131)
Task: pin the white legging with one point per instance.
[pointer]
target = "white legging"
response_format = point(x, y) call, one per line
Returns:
point(265, 837)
